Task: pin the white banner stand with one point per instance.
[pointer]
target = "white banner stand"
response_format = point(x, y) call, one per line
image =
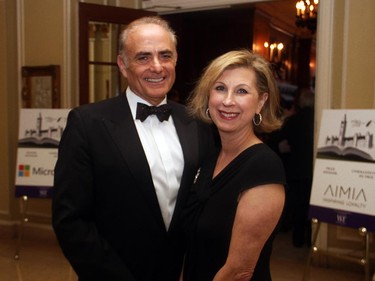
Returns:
point(343, 190)
point(39, 135)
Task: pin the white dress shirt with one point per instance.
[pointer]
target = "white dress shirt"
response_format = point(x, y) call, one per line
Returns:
point(164, 155)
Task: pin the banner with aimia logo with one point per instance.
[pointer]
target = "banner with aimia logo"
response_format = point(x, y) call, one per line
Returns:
point(343, 189)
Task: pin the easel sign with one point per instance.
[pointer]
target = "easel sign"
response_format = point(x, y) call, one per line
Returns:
point(343, 189)
point(40, 131)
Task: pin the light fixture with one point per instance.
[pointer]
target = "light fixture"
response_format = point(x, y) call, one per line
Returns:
point(274, 51)
point(276, 54)
point(307, 12)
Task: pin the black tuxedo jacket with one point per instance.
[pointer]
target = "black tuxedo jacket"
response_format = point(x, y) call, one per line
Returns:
point(105, 210)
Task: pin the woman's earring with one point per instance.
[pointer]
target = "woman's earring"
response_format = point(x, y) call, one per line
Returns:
point(208, 113)
point(257, 119)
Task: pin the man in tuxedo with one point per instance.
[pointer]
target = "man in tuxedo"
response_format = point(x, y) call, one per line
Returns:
point(122, 175)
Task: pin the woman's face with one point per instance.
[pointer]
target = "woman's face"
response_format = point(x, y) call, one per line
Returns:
point(234, 100)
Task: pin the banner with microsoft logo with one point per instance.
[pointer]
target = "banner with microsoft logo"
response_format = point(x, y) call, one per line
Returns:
point(39, 135)
point(343, 189)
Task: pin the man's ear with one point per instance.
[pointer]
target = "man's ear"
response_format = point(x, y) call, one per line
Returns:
point(121, 65)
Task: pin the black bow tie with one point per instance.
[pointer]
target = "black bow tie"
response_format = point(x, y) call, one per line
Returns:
point(162, 112)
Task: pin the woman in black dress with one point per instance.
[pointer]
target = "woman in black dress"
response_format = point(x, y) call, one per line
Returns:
point(238, 195)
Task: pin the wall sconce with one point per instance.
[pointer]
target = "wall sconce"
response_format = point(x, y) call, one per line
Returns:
point(276, 55)
point(275, 51)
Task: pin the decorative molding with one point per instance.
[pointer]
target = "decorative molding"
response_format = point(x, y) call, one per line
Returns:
point(345, 56)
point(8, 228)
point(20, 45)
point(323, 89)
point(4, 214)
point(66, 81)
point(37, 230)
point(324, 56)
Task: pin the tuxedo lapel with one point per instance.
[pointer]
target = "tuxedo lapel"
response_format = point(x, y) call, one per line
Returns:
point(120, 126)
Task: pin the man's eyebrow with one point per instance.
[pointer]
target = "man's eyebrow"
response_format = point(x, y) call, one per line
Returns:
point(165, 52)
point(140, 54)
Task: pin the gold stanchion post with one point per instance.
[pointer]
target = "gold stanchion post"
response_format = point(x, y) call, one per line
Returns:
point(364, 260)
point(313, 249)
point(23, 208)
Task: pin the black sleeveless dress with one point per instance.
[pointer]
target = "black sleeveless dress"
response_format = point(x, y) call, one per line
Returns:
point(211, 207)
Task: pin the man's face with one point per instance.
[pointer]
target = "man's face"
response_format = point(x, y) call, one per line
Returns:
point(151, 64)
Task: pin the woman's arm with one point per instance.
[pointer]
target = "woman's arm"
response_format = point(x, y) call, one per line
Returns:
point(258, 212)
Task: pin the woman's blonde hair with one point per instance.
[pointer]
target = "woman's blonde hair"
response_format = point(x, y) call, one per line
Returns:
point(265, 81)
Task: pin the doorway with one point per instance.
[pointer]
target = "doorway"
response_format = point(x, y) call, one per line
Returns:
point(99, 29)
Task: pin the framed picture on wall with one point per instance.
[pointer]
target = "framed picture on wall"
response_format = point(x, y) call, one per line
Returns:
point(41, 86)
